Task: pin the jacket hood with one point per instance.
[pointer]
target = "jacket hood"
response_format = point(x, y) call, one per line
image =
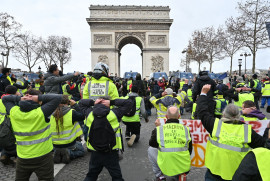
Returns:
point(168, 101)
point(27, 106)
point(100, 110)
point(256, 113)
point(98, 76)
point(65, 110)
point(204, 78)
point(132, 94)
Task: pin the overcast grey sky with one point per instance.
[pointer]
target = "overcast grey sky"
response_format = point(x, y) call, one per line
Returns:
point(68, 18)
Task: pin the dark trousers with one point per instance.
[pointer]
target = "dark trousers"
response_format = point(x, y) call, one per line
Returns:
point(43, 167)
point(133, 128)
point(108, 160)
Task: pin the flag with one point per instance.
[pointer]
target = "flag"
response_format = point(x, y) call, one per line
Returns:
point(222, 76)
point(268, 28)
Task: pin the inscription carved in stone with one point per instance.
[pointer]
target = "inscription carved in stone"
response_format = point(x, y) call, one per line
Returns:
point(130, 27)
point(157, 63)
point(119, 35)
point(157, 39)
point(101, 39)
point(104, 59)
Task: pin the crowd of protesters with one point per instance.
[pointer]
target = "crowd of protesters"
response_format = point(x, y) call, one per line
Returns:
point(44, 121)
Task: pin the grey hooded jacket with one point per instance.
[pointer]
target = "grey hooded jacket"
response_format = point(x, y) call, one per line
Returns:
point(52, 82)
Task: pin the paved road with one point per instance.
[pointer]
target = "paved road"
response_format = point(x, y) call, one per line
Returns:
point(135, 165)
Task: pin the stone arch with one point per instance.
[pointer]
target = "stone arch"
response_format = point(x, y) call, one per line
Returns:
point(112, 27)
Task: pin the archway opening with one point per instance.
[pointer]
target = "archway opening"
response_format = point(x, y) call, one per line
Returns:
point(130, 55)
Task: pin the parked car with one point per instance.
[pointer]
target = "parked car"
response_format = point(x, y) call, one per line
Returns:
point(157, 75)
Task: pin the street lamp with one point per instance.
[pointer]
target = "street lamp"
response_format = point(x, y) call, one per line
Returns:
point(39, 69)
point(239, 64)
point(187, 51)
point(246, 55)
point(3, 55)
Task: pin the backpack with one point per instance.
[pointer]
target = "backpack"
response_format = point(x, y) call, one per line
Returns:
point(7, 137)
point(132, 111)
point(223, 105)
point(259, 85)
point(102, 135)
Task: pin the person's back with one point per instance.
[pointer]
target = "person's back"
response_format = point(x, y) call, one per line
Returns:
point(31, 128)
point(140, 84)
point(250, 112)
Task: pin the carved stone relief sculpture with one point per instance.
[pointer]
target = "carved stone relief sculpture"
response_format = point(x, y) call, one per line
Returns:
point(157, 63)
point(104, 59)
point(100, 39)
point(157, 39)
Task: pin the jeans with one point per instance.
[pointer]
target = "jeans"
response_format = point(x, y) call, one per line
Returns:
point(133, 128)
point(42, 166)
point(152, 156)
point(99, 160)
point(264, 99)
point(76, 150)
point(148, 112)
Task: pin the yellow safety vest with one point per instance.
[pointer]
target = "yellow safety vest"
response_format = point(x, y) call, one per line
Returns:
point(37, 86)
point(136, 117)
point(102, 87)
point(226, 148)
point(266, 89)
point(242, 97)
point(9, 79)
point(113, 120)
point(218, 110)
point(194, 106)
point(32, 132)
point(262, 158)
point(68, 133)
point(65, 92)
point(3, 111)
point(161, 109)
point(129, 82)
point(189, 94)
point(181, 85)
point(251, 118)
point(173, 155)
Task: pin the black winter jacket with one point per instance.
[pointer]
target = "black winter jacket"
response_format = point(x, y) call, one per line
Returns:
point(200, 83)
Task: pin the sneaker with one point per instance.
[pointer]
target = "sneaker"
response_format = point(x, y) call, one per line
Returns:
point(65, 155)
point(5, 160)
point(161, 178)
point(57, 156)
point(131, 140)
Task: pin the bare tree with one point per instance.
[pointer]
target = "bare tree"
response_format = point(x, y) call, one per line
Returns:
point(197, 53)
point(213, 45)
point(231, 39)
point(63, 54)
point(254, 14)
point(27, 50)
point(48, 51)
point(9, 30)
point(186, 61)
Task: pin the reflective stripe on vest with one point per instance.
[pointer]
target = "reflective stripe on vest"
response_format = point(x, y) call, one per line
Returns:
point(228, 144)
point(173, 156)
point(136, 117)
point(32, 132)
point(98, 89)
point(113, 120)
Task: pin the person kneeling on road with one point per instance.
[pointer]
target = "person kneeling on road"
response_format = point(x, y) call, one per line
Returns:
point(105, 139)
point(66, 129)
point(170, 147)
point(132, 118)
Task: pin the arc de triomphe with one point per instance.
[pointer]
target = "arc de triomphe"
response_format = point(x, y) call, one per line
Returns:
point(112, 27)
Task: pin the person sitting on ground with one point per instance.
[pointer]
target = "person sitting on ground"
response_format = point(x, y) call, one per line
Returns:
point(250, 112)
point(170, 147)
point(229, 139)
point(66, 129)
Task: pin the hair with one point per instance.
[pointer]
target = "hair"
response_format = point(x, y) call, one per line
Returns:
point(53, 68)
point(231, 113)
point(173, 114)
point(138, 76)
point(90, 73)
point(33, 92)
point(40, 76)
point(58, 114)
point(10, 89)
point(134, 89)
point(248, 104)
point(5, 70)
